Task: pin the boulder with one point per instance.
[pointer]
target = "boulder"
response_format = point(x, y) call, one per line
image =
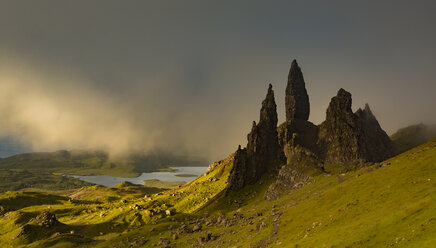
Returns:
point(47, 219)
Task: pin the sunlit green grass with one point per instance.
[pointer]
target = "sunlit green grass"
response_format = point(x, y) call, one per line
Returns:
point(376, 206)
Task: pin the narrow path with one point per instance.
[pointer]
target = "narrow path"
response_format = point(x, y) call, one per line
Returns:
point(263, 243)
point(340, 179)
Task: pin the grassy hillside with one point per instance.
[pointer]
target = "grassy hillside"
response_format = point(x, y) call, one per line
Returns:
point(95, 214)
point(19, 179)
point(388, 204)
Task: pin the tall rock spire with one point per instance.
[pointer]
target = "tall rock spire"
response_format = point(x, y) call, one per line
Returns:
point(262, 150)
point(263, 138)
point(268, 112)
point(297, 100)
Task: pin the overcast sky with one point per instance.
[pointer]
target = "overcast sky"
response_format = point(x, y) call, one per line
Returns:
point(189, 76)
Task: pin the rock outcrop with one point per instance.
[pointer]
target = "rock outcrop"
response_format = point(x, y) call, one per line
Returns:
point(298, 139)
point(300, 167)
point(298, 132)
point(339, 133)
point(344, 141)
point(352, 138)
point(47, 219)
point(263, 149)
point(238, 177)
point(297, 100)
point(376, 144)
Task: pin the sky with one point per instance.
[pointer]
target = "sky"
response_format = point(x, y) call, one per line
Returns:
point(189, 76)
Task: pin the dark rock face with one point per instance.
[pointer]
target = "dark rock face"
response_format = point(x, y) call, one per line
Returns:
point(348, 138)
point(339, 134)
point(262, 148)
point(376, 144)
point(263, 145)
point(301, 165)
point(303, 158)
point(297, 100)
point(298, 132)
point(297, 138)
point(238, 176)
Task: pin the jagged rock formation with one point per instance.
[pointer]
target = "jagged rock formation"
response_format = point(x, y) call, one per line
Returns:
point(352, 138)
point(297, 100)
point(238, 177)
point(376, 144)
point(342, 142)
point(262, 148)
point(297, 137)
point(339, 133)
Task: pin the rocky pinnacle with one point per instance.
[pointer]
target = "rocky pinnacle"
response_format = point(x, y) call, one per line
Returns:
point(297, 100)
point(344, 141)
point(352, 138)
point(262, 148)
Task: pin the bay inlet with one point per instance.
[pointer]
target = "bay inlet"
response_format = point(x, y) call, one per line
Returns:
point(180, 174)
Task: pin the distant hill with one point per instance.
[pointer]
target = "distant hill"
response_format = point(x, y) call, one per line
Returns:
point(85, 162)
point(16, 179)
point(412, 136)
point(44, 170)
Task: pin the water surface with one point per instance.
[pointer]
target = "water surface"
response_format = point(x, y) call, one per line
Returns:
point(162, 176)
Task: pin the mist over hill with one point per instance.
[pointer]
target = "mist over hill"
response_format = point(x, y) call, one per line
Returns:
point(9, 147)
point(45, 170)
point(412, 136)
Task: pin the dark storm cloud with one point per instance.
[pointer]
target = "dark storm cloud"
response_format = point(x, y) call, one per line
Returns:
point(190, 75)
